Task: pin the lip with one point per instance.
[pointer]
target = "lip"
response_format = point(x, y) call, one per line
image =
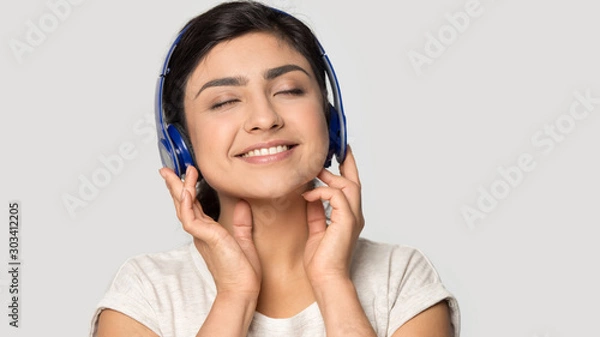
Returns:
point(269, 157)
point(268, 144)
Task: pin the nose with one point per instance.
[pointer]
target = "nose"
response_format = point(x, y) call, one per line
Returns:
point(262, 116)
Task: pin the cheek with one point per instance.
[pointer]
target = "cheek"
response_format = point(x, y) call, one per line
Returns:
point(317, 133)
point(321, 131)
point(210, 142)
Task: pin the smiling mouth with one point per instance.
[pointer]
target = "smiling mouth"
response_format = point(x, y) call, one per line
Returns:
point(265, 151)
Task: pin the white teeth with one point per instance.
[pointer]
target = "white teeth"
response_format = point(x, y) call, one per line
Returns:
point(266, 151)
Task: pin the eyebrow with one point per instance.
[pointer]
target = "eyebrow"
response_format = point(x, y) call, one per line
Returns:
point(225, 81)
point(239, 81)
point(278, 71)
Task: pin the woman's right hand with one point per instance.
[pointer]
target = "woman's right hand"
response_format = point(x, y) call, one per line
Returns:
point(231, 258)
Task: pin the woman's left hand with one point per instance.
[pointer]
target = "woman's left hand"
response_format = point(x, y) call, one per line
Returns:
point(329, 249)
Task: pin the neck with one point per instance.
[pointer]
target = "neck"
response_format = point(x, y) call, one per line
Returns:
point(280, 232)
point(279, 229)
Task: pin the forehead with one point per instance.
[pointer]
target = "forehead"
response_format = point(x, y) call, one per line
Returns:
point(246, 54)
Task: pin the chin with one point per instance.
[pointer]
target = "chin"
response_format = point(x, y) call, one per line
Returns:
point(277, 189)
point(266, 188)
point(266, 183)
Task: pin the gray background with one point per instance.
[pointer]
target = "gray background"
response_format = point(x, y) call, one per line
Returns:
point(426, 138)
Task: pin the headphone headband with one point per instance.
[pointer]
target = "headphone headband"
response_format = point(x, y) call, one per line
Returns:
point(339, 137)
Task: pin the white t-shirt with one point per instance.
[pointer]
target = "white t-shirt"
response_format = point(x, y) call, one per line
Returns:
point(171, 293)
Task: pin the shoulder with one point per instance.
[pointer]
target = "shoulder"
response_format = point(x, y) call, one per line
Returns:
point(163, 262)
point(150, 270)
point(401, 279)
point(392, 258)
point(150, 287)
point(402, 269)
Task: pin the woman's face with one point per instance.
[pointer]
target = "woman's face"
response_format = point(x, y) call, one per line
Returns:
point(255, 118)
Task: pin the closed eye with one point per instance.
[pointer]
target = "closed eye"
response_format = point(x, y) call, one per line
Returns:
point(220, 105)
point(293, 92)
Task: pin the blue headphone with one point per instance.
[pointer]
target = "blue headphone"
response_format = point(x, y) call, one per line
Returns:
point(175, 150)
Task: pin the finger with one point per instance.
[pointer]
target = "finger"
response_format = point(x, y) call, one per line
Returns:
point(242, 228)
point(348, 168)
point(188, 217)
point(350, 189)
point(344, 222)
point(189, 184)
point(341, 209)
point(174, 185)
point(203, 228)
point(190, 179)
point(333, 180)
point(242, 221)
point(176, 188)
point(315, 216)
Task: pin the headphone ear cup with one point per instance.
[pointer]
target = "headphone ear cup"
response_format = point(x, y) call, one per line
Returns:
point(337, 136)
point(167, 155)
point(181, 149)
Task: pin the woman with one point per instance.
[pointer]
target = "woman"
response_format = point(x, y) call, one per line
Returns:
point(245, 88)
